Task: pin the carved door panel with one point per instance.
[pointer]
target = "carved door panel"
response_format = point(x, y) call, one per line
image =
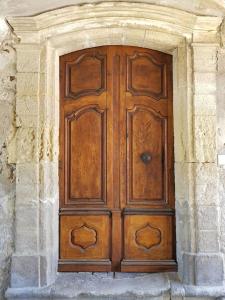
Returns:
point(116, 161)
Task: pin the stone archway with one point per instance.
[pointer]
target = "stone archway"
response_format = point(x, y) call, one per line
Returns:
point(43, 39)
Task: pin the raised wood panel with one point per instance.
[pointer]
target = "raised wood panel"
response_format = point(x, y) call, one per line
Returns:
point(86, 151)
point(146, 76)
point(85, 237)
point(147, 154)
point(85, 76)
point(148, 237)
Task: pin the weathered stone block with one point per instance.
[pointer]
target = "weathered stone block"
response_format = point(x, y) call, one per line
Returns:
point(134, 35)
point(28, 59)
point(48, 185)
point(205, 138)
point(188, 268)
point(206, 194)
point(205, 173)
point(221, 60)
point(208, 241)
point(26, 150)
point(26, 241)
point(207, 217)
point(26, 229)
point(43, 271)
point(169, 41)
point(24, 196)
point(205, 37)
point(26, 217)
point(27, 84)
point(179, 133)
point(43, 87)
point(24, 271)
point(43, 59)
point(48, 226)
point(27, 111)
point(27, 174)
point(204, 83)
point(6, 116)
point(205, 105)
point(204, 58)
point(181, 179)
point(24, 120)
point(184, 220)
point(209, 270)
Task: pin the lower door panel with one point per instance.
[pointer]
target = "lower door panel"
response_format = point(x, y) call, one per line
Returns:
point(85, 243)
point(148, 243)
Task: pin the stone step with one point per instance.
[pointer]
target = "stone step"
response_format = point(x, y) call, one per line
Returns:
point(99, 286)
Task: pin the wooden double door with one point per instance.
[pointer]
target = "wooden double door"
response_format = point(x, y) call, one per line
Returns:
point(116, 161)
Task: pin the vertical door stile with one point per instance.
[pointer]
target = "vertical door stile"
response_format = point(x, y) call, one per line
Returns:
point(116, 212)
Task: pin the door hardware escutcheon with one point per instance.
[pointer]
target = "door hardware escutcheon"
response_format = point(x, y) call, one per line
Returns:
point(146, 157)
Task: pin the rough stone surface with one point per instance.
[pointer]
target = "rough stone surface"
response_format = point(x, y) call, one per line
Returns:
point(7, 170)
point(208, 241)
point(25, 271)
point(205, 143)
point(207, 7)
point(207, 217)
point(221, 141)
point(209, 270)
point(85, 286)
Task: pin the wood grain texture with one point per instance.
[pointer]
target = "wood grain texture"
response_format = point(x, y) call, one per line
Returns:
point(85, 75)
point(146, 75)
point(146, 180)
point(116, 177)
point(148, 237)
point(84, 237)
point(85, 152)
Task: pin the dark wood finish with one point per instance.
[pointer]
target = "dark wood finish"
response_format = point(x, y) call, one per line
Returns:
point(67, 265)
point(148, 237)
point(150, 266)
point(86, 170)
point(86, 75)
point(117, 210)
point(146, 181)
point(146, 75)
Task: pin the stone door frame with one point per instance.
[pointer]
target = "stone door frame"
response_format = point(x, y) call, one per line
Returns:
point(193, 41)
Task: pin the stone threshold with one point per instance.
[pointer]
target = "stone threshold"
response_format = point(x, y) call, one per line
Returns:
point(181, 290)
point(120, 286)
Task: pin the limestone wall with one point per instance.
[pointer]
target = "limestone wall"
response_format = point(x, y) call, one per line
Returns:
point(7, 171)
point(221, 140)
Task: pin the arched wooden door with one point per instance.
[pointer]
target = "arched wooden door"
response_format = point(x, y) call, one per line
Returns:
point(116, 161)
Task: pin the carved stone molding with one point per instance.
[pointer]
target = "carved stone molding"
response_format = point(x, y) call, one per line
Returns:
point(156, 17)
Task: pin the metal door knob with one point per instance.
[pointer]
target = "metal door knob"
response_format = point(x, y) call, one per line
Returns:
point(146, 157)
